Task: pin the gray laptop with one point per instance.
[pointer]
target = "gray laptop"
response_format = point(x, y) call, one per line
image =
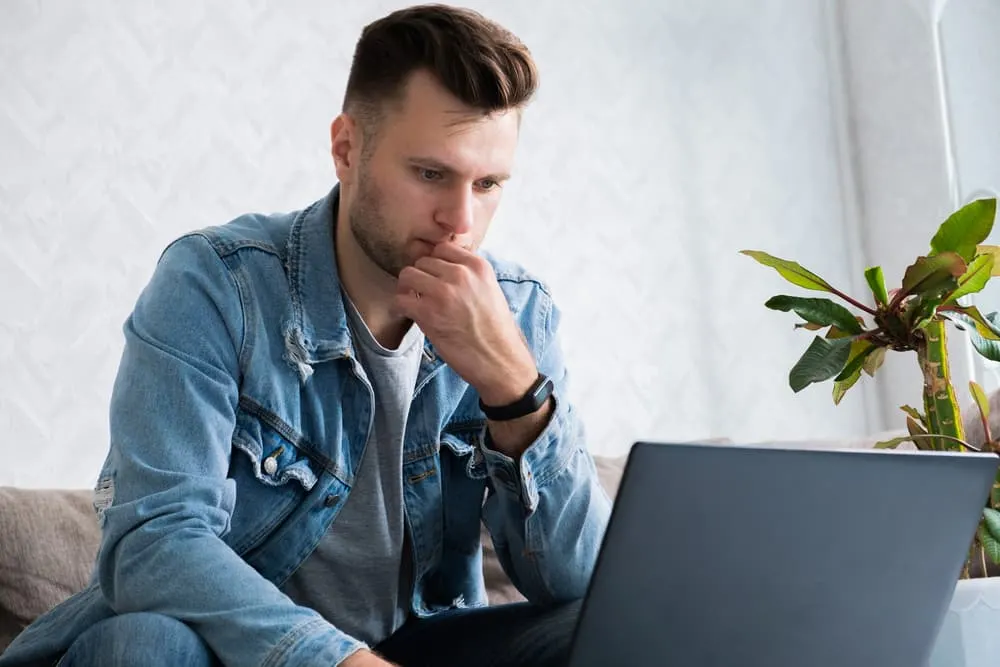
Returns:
point(726, 556)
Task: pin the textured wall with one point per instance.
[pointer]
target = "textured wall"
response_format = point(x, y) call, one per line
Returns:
point(970, 67)
point(910, 79)
point(667, 136)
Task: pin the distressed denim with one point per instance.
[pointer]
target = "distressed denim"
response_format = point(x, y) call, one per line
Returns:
point(238, 418)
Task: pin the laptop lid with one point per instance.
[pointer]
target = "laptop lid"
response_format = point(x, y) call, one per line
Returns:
point(728, 555)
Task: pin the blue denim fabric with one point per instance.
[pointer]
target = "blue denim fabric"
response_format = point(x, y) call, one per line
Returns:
point(129, 640)
point(514, 635)
point(238, 418)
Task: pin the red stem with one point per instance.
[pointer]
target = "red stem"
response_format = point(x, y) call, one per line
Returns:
point(856, 304)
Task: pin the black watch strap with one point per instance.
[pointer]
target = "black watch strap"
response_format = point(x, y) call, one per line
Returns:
point(530, 402)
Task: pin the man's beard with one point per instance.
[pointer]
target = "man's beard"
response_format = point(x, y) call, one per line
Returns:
point(371, 230)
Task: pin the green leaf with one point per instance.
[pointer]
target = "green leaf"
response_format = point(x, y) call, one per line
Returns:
point(965, 317)
point(975, 278)
point(874, 361)
point(921, 310)
point(913, 412)
point(990, 544)
point(841, 387)
point(834, 332)
point(915, 427)
point(824, 359)
point(987, 347)
point(892, 443)
point(979, 396)
point(822, 312)
point(991, 250)
point(860, 350)
point(876, 281)
point(791, 271)
point(965, 229)
point(933, 276)
point(991, 519)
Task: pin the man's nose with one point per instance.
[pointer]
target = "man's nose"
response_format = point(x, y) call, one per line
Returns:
point(457, 215)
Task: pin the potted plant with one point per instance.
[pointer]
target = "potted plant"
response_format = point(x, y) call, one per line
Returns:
point(852, 338)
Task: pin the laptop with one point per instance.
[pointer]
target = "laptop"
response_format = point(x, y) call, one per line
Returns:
point(735, 556)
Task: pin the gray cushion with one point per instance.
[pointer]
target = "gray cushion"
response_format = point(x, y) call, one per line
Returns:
point(49, 543)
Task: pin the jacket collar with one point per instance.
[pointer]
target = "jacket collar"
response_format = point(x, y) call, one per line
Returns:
point(317, 330)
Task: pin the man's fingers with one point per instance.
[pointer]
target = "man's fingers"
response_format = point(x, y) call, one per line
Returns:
point(455, 254)
point(412, 279)
point(438, 267)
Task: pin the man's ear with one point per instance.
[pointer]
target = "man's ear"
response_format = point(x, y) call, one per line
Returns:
point(345, 146)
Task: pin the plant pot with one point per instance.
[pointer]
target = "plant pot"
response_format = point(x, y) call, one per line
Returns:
point(970, 634)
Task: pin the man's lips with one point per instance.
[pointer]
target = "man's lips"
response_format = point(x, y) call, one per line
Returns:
point(431, 244)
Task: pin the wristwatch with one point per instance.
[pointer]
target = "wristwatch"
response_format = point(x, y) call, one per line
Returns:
point(530, 402)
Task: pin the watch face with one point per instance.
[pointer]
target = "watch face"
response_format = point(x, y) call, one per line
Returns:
point(544, 386)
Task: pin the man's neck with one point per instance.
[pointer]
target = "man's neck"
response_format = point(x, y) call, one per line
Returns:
point(369, 288)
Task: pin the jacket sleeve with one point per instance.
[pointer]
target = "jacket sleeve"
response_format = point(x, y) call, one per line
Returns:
point(547, 512)
point(164, 500)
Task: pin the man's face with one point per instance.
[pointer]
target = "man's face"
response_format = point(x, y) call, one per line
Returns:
point(435, 174)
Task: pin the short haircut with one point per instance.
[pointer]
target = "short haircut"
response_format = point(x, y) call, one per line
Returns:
point(481, 63)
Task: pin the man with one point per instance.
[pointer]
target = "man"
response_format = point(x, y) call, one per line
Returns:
point(314, 411)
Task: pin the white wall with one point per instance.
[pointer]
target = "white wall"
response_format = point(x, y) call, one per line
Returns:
point(969, 38)
point(969, 34)
point(899, 148)
point(924, 84)
point(667, 136)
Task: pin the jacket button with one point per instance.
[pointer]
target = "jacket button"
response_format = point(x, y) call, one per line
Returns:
point(331, 500)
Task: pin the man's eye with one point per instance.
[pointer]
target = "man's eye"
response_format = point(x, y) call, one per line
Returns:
point(488, 184)
point(429, 174)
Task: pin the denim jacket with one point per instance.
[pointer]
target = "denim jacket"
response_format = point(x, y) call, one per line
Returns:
point(238, 418)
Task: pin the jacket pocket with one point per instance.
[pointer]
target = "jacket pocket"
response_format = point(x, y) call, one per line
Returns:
point(272, 475)
point(273, 458)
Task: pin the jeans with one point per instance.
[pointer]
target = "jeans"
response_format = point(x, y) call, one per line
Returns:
point(514, 635)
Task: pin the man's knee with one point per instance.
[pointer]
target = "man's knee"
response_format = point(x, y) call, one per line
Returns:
point(139, 639)
point(549, 638)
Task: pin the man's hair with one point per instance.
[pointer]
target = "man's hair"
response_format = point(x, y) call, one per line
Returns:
point(478, 61)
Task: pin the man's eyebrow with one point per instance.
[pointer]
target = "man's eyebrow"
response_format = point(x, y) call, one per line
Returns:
point(438, 165)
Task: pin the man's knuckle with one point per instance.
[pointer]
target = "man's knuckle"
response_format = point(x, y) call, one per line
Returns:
point(482, 267)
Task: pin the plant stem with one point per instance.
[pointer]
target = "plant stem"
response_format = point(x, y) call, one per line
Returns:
point(853, 302)
point(940, 403)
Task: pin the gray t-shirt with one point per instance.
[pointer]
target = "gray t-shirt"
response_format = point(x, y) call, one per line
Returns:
point(359, 575)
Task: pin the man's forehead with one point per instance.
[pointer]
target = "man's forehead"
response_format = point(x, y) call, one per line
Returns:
point(432, 125)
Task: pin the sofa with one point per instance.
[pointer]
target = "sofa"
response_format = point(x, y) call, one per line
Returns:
point(49, 538)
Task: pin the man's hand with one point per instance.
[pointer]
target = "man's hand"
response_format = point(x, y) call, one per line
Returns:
point(453, 296)
point(365, 658)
